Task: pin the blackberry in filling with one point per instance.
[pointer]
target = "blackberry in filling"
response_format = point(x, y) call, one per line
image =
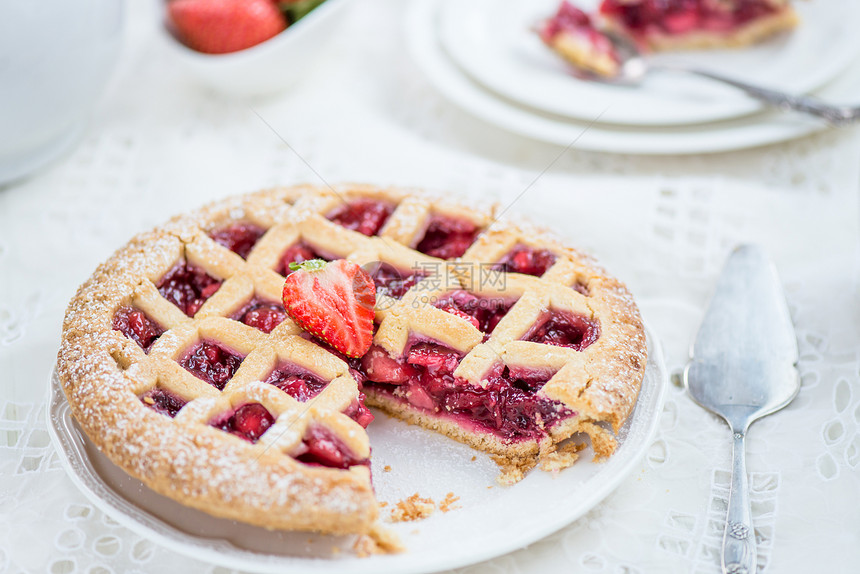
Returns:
point(367, 216)
point(483, 313)
point(212, 363)
point(188, 287)
point(261, 315)
point(248, 422)
point(239, 238)
point(137, 326)
point(505, 404)
point(162, 401)
point(447, 237)
point(564, 330)
point(526, 260)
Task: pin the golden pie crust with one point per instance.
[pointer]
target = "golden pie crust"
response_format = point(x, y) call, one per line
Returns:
point(104, 373)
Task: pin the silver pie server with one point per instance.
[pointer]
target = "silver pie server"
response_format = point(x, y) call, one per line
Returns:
point(635, 67)
point(742, 368)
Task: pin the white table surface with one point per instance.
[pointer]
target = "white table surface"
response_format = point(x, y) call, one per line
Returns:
point(160, 144)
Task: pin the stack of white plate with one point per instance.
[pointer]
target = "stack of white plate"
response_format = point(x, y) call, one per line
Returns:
point(484, 56)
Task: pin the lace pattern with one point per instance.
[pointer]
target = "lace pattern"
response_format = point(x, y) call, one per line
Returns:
point(162, 145)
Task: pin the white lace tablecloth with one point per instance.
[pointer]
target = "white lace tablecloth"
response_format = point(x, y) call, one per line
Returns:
point(159, 145)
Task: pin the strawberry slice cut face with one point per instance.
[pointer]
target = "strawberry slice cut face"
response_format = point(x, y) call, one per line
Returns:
point(334, 302)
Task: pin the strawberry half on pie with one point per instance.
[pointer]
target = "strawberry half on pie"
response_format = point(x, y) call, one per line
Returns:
point(697, 24)
point(183, 366)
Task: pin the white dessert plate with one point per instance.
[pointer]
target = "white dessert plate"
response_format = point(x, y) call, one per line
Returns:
point(739, 133)
point(492, 42)
point(490, 521)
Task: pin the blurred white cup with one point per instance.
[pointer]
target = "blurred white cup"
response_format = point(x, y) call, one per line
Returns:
point(55, 58)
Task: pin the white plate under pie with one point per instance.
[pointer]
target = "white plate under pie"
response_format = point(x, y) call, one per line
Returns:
point(490, 521)
point(491, 41)
point(740, 133)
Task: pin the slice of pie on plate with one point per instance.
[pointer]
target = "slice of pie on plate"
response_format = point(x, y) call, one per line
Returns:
point(180, 363)
point(696, 24)
point(573, 35)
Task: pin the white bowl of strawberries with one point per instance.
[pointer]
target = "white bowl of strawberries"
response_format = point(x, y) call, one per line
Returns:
point(250, 48)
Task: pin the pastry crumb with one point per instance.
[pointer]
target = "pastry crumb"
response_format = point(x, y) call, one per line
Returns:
point(383, 504)
point(386, 468)
point(149, 400)
point(417, 508)
point(474, 458)
point(561, 458)
point(378, 541)
point(448, 503)
point(412, 508)
point(512, 470)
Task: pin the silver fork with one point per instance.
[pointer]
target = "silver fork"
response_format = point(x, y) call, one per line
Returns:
point(635, 66)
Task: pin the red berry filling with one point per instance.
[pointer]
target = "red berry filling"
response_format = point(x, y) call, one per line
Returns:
point(212, 363)
point(239, 238)
point(504, 404)
point(248, 422)
point(366, 216)
point(163, 402)
point(137, 326)
point(447, 237)
point(571, 20)
point(564, 330)
point(684, 16)
point(261, 315)
point(298, 253)
point(358, 412)
point(320, 447)
point(188, 287)
point(296, 382)
point(392, 282)
point(483, 313)
point(526, 260)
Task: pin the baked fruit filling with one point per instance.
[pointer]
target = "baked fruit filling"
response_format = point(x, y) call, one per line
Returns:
point(321, 447)
point(526, 260)
point(671, 24)
point(564, 330)
point(262, 315)
point(367, 216)
point(163, 401)
point(573, 35)
point(247, 422)
point(505, 404)
point(239, 238)
point(297, 253)
point(482, 312)
point(391, 281)
point(188, 287)
point(447, 237)
point(137, 326)
point(212, 363)
point(299, 383)
point(684, 16)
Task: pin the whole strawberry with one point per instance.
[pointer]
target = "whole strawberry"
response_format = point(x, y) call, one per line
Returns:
point(222, 26)
point(334, 302)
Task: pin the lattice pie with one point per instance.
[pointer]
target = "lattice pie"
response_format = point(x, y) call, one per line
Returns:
point(181, 364)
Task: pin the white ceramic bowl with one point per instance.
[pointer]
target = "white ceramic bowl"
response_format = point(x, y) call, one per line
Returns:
point(269, 67)
point(56, 57)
